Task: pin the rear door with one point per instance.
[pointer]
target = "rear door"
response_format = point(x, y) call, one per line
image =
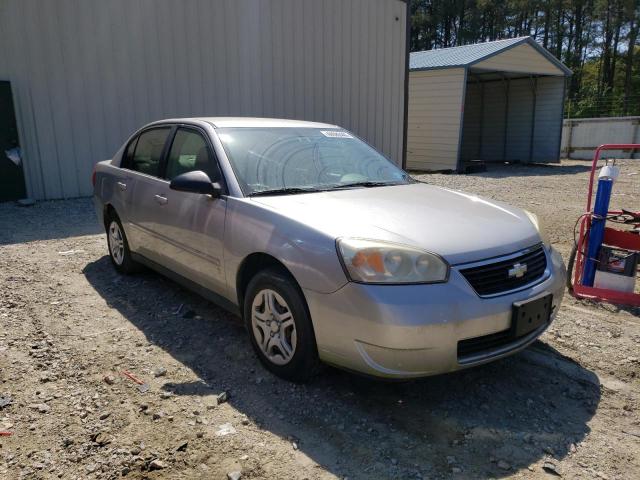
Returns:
point(192, 227)
point(116, 187)
point(148, 194)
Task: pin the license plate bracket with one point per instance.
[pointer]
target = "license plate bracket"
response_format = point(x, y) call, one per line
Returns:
point(528, 315)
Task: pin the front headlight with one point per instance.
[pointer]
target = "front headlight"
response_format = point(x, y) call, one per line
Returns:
point(370, 261)
point(536, 223)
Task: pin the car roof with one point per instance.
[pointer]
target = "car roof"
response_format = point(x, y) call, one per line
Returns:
point(250, 122)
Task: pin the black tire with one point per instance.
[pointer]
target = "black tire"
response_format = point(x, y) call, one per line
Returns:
point(121, 261)
point(304, 363)
point(570, 265)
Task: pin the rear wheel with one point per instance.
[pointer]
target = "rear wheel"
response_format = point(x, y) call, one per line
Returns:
point(280, 327)
point(119, 252)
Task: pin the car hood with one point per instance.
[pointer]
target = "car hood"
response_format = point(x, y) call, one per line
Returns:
point(458, 226)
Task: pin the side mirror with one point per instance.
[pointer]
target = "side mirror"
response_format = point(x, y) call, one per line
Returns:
point(196, 182)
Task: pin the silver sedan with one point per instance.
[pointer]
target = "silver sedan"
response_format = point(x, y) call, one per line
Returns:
point(327, 250)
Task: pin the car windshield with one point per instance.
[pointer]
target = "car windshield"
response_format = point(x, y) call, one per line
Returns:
point(284, 160)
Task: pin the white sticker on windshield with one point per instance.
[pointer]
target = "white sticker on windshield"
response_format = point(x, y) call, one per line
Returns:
point(336, 134)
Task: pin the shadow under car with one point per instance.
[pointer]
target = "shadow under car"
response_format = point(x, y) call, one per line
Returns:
point(484, 422)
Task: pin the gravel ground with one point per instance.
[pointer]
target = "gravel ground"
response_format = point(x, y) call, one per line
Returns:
point(69, 327)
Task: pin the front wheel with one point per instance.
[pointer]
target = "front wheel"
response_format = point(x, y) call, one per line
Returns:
point(280, 327)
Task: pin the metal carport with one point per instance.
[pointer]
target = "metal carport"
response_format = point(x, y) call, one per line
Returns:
point(493, 101)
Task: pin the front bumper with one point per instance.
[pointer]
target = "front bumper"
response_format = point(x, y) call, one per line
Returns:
point(404, 331)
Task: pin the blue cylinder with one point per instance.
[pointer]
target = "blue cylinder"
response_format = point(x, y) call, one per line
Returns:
point(596, 232)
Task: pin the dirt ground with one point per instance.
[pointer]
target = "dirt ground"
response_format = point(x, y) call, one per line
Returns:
point(69, 326)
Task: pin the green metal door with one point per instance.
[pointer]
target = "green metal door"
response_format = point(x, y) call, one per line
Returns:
point(11, 174)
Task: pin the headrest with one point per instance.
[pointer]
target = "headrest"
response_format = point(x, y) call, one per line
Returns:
point(202, 160)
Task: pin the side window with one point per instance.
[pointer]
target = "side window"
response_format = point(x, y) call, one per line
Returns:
point(127, 156)
point(148, 151)
point(190, 152)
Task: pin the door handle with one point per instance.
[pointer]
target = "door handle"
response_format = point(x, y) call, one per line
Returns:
point(122, 186)
point(161, 200)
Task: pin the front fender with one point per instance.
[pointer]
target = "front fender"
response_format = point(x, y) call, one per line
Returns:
point(310, 255)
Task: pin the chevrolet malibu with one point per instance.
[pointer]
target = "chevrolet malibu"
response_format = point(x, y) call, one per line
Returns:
point(327, 250)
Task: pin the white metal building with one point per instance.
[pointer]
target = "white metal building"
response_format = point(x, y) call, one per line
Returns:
point(494, 101)
point(86, 73)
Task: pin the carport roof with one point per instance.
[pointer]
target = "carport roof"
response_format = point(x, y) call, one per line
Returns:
point(468, 55)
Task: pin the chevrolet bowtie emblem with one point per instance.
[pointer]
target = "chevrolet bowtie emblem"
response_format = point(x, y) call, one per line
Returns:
point(518, 270)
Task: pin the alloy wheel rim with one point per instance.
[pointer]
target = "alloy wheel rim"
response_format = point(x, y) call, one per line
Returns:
point(273, 327)
point(116, 243)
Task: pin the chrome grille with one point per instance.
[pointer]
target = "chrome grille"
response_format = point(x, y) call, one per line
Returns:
point(506, 275)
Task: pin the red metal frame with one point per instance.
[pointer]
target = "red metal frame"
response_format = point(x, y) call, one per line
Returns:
point(616, 238)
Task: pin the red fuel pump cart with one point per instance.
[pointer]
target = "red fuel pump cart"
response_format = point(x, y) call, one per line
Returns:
point(623, 239)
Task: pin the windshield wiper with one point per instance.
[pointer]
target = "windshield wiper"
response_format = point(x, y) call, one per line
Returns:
point(285, 191)
point(323, 188)
point(367, 184)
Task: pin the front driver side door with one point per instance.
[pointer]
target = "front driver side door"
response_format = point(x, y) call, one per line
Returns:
point(192, 226)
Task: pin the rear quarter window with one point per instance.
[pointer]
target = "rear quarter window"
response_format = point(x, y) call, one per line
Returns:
point(127, 156)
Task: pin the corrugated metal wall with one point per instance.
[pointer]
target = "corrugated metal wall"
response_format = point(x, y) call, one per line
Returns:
point(472, 125)
point(435, 109)
point(581, 136)
point(549, 109)
point(484, 126)
point(86, 73)
point(519, 120)
point(493, 121)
